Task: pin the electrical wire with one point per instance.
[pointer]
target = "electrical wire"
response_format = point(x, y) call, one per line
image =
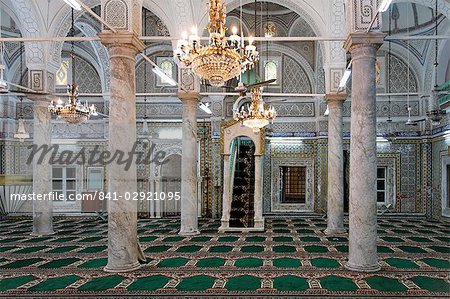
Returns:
point(389, 61)
point(72, 33)
point(436, 63)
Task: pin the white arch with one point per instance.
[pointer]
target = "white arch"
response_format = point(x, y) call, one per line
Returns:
point(33, 27)
point(62, 24)
point(169, 149)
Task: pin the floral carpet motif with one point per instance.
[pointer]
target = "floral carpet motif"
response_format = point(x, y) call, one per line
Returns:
point(293, 258)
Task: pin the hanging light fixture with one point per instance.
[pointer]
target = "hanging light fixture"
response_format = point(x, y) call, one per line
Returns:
point(435, 114)
point(223, 58)
point(257, 115)
point(73, 111)
point(390, 136)
point(21, 134)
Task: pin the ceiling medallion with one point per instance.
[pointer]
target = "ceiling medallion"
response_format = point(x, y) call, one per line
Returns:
point(257, 115)
point(224, 58)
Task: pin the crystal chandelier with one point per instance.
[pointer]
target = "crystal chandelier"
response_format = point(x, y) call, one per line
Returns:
point(73, 111)
point(257, 115)
point(224, 58)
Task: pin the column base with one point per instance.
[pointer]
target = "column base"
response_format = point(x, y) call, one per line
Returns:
point(335, 231)
point(225, 224)
point(38, 234)
point(189, 233)
point(126, 268)
point(259, 223)
point(357, 268)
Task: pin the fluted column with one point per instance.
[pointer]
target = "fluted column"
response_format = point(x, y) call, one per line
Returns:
point(363, 196)
point(258, 202)
point(123, 248)
point(335, 204)
point(189, 204)
point(226, 199)
point(42, 170)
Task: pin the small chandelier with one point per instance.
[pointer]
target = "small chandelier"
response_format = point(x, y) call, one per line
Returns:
point(436, 114)
point(224, 58)
point(390, 136)
point(21, 134)
point(72, 112)
point(257, 115)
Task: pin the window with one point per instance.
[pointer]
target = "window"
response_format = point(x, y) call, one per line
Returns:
point(167, 66)
point(64, 181)
point(63, 73)
point(381, 185)
point(95, 179)
point(293, 180)
point(271, 71)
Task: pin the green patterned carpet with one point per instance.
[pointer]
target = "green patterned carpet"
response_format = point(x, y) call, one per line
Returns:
point(292, 258)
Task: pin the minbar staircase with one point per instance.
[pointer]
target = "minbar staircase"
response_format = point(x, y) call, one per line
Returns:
point(242, 205)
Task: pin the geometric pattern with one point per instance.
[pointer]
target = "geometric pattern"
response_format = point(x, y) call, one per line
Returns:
point(292, 257)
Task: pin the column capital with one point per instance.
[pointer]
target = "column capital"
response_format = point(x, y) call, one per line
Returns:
point(335, 97)
point(189, 96)
point(355, 39)
point(122, 40)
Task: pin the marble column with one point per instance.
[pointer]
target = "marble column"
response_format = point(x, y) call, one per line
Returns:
point(42, 172)
point(124, 251)
point(226, 201)
point(158, 203)
point(258, 202)
point(189, 204)
point(151, 203)
point(363, 153)
point(335, 204)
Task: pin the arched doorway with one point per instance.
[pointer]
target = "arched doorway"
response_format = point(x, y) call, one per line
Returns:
point(243, 179)
point(171, 182)
point(242, 151)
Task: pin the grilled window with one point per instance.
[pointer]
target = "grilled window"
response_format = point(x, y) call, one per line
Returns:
point(293, 188)
point(381, 185)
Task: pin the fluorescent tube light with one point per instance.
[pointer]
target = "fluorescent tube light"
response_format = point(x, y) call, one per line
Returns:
point(205, 107)
point(327, 112)
point(384, 5)
point(74, 4)
point(163, 75)
point(345, 78)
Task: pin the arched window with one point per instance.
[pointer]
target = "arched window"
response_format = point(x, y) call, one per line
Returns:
point(271, 71)
point(167, 66)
